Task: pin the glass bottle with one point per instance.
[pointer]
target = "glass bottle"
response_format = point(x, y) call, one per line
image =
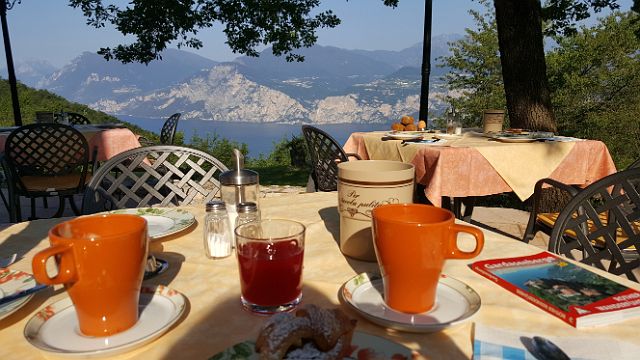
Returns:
point(218, 236)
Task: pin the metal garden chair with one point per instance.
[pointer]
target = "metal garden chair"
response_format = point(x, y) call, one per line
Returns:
point(600, 226)
point(325, 153)
point(72, 118)
point(543, 215)
point(160, 175)
point(168, 132)
point(46, 160)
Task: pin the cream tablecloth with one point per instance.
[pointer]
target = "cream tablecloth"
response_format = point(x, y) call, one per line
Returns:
point(215, 319)
point(477, 166)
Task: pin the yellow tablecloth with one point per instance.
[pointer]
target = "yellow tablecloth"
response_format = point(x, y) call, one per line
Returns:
point(215, 319)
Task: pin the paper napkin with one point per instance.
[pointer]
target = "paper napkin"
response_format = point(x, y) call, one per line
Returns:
point(493, 343)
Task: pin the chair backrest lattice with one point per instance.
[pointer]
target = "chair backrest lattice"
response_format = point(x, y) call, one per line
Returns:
point(600, 226)
point(168, 132)
point(326, 153)
point(46, 149)
point(160, 175)
point(77, 119)
point(71, 118)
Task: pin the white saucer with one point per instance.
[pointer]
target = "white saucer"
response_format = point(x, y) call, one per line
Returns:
point(515, 139)
point(162, 222)
point(410, 135)
point(455, 302)
point(11, 282)
point(54, 329)
point(444, 136)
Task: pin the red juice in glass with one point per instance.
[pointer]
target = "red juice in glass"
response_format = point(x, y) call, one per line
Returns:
point(271, 273)
point(270, 255)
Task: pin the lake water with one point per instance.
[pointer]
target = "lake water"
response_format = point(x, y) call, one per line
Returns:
point(260, 138)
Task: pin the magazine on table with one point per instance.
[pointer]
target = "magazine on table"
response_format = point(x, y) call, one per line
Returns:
point(573, 293)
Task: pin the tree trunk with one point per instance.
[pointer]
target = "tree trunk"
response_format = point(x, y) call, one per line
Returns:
point(524, 70)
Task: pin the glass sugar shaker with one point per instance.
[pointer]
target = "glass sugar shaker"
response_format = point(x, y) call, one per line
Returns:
point(239, 185)
point(218, 235)
point(247, 212)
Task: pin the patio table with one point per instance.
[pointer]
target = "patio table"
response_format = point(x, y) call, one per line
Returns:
point(215, 319)
point(479, 166)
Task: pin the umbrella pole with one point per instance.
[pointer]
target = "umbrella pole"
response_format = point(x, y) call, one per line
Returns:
point(426, 63)
point(13, 84)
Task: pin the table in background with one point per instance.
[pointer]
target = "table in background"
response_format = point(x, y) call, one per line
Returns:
point(458, 169)
point(215, 319)
point(110, 141)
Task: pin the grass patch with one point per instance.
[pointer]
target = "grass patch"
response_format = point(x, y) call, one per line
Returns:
point(282, 175)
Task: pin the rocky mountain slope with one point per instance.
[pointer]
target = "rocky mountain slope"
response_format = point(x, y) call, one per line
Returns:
point(332, 85)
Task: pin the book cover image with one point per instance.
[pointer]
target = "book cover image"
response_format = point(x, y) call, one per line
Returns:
point(560, 283)
point(572, 293)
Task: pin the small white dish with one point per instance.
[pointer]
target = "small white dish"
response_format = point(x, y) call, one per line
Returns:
point(54, 329)
point(404, 135)
point(374, 347)
point(444, 136)
point(455, 303)
point(162, 222)
point(515, 139)
point(11, 282)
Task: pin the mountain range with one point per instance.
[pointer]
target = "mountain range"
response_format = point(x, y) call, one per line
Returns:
point(332, 85)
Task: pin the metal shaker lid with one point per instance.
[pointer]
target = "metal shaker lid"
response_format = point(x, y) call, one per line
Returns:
point(239, 175)
point(215, 205)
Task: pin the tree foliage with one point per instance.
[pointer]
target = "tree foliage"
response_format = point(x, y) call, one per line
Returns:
point(561, 16)
point(594, 76)
point(476, 76)
point(284, 24)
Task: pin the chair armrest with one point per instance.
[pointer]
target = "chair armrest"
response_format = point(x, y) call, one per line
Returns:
point(572, 190)
point(353, 155)
point(145, 142)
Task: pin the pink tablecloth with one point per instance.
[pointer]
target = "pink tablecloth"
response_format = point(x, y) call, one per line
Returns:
point(109, 142)
point(463, 171)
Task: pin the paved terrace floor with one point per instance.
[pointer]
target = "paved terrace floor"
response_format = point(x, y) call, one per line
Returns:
point(508, 222)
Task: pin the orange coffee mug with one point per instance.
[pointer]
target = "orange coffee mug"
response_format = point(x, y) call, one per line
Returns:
point(412, 242)
point(101, 262)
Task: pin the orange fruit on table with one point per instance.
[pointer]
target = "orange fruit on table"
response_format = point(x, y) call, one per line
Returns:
point(397, 127)
point(422, 124)
point(406, 120)
point(411, 127)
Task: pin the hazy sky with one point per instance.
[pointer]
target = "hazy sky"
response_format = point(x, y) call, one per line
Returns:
point(53, 31)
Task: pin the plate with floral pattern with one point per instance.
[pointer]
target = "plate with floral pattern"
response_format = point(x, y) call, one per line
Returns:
point(162, 222)
point(11, 282)
point(54, 329)
point(456, 302)
point(363, 346)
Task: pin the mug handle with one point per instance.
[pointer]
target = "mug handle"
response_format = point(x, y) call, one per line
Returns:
point(66, 273)
point(454, 251)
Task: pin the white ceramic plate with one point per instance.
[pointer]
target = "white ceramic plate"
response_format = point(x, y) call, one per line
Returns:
point(373, 346)
point(514, 139)
point(162, 221)
point(447, 136)
point(455, 302)
point(54, 329)
point(404, 135)
point(11, 282)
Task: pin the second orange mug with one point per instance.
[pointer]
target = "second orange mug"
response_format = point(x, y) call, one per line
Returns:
point(412, 242)
point(101, 262)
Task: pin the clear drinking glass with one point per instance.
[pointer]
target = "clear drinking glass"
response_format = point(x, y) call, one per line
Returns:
point(270, 254)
